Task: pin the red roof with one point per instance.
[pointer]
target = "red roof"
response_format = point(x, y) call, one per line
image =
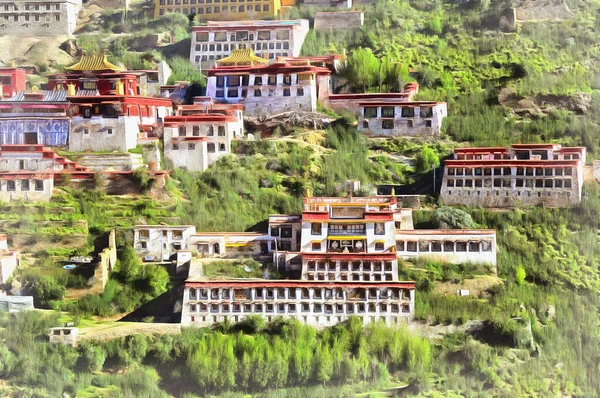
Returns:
point(512, 163)
point(409, 104)
point(349, 256)
point(171, 121)
point(271, 69)
point(446, 231)
point(299, 283)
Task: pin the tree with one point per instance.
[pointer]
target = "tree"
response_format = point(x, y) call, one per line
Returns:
point(520, 275)
point(426, 160)
point(362, 69)
point(451, 218)
point(128, 265)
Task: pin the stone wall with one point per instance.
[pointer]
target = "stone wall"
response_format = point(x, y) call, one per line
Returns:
point(339, 20)
point(104, 134)
point(107, 260)
point(16, 303)
point(105, 161)
point(30, 195)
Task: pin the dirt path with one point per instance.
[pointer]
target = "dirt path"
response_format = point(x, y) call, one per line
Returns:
point(111, 330)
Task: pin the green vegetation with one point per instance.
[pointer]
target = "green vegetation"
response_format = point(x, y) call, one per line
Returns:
point(548, 259)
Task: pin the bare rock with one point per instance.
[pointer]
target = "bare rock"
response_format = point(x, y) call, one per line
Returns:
point(70, 47)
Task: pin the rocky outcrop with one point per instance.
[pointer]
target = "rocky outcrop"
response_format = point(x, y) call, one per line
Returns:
point(542, 104)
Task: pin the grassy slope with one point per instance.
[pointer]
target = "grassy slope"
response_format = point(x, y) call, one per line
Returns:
point(466, 65)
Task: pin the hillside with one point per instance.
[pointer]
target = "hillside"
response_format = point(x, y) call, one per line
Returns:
point(532, 330)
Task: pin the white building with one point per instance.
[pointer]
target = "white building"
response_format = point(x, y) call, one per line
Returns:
point(27, 172)
point(318, 304)
point(160, 242)
point(35, 18)
point(200, 135)
point(268, 39)
point(522, 175)
point(391, 119)
point(349, 239)
point(448, 245)
point(267, 89)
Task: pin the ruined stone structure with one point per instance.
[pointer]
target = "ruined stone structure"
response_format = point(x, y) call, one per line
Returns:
point(267, 89)
point(35, 18)
point(319, 304)
point(208, 11)
point(339, 20)
point(268, 39)
point(522, 175)
point(64, 335)
point(9, 259)
point(199, 135)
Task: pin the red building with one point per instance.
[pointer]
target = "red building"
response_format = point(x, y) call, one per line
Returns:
point(12, 80)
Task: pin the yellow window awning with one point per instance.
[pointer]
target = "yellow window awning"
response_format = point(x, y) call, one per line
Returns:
point(346, 237)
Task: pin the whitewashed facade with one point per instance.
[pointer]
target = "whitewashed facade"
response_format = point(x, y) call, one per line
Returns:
point(268, 39)
point(318, 304)
point(35, 18)
point(388, 119)
point(448, 245)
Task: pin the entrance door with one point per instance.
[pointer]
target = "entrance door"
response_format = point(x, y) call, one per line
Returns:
point(31, 138)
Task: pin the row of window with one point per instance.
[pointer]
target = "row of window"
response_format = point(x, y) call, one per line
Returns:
point(530, 171)
point(294, 293)
point(348, 276)
point(217, 9)
point(388, 124)
point(507, 192)
point(508, 156)
point(175, 234)
point(32, 7)
point(11, 185)
point(439, 246)
point(210, 132)
point(340, 309)
point(271, 80)
point(324, 320)
point(366, 266)
point(242, 35)
point(23, 164)
point(28, 18)
point(255, 46)
point(186, 2)
point(86, 131)
point(210, 147)
point(390, 111)
point(506, 183)
point(217, 57)
point(234, 93)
